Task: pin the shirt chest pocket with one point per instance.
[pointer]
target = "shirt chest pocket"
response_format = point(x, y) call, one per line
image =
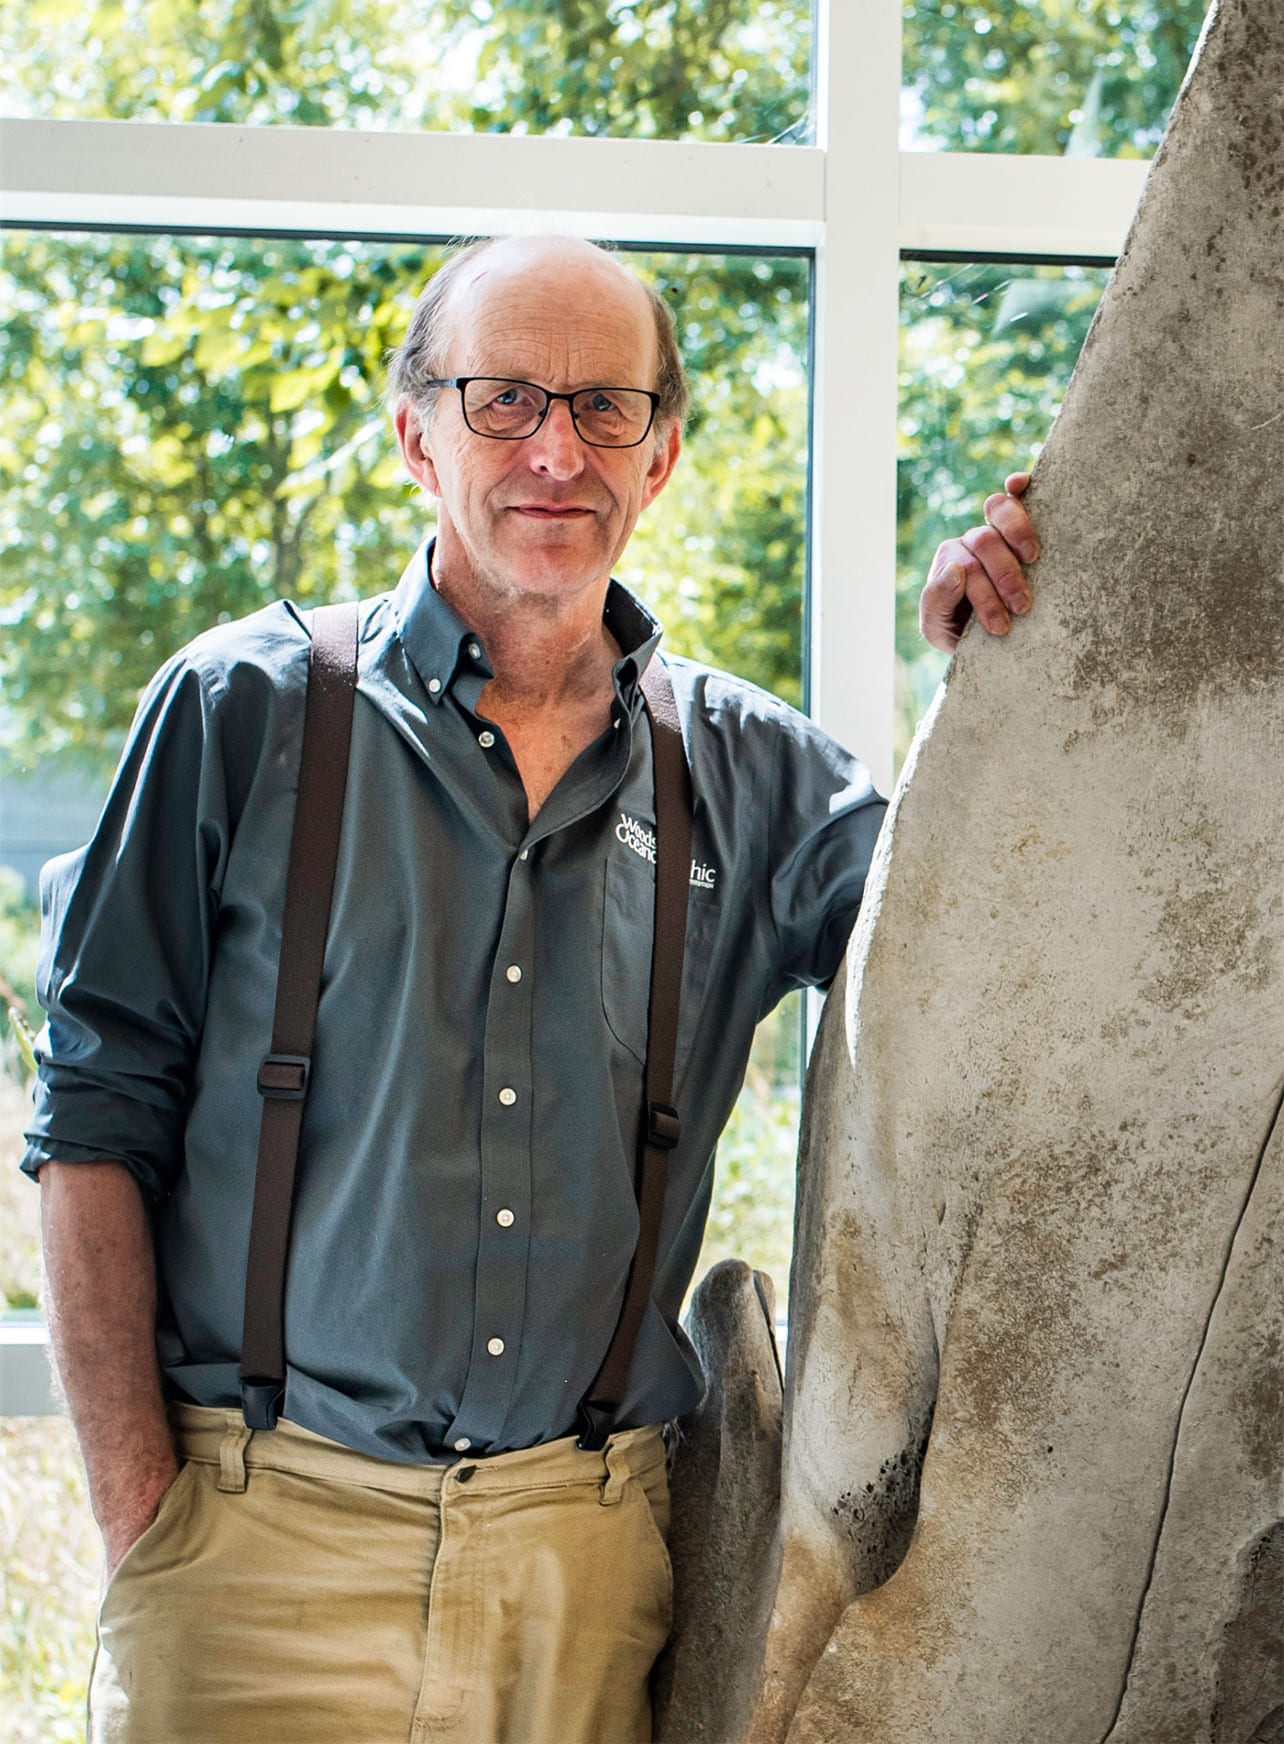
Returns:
point(628, 919)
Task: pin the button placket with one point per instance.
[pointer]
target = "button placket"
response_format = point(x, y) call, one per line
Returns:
point(503, 1250)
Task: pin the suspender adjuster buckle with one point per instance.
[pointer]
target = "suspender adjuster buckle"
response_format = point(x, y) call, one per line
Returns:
point(663, 1126)
point(595, 1426)
point(284, 1077)
point(261, 1403)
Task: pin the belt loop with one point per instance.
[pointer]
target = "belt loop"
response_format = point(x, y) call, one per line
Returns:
point(231, 1454)
point(617, 1473)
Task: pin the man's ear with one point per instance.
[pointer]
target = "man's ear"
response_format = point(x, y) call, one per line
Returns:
point(412, 439)
point(663, 461)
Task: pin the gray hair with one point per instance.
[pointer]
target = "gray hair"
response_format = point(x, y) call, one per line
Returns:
point(420, 357)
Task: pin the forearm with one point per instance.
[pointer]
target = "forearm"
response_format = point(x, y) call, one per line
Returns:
point(101, 1299)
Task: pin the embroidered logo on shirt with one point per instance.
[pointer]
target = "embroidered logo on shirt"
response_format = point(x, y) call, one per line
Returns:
point(642, 841)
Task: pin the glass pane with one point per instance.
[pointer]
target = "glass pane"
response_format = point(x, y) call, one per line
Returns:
point(752, 1215)
point(53, 1575)
point(986, 353)
point(49, 1548)
point(709, 69)
point(1085, 78)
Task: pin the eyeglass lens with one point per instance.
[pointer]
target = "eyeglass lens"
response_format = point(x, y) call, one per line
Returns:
point(607, 417)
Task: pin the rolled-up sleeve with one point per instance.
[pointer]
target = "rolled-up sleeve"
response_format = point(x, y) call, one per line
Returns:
point(823, 822)
point(127, 929)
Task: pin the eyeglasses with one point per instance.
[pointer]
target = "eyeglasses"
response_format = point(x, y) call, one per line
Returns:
point(509, 410)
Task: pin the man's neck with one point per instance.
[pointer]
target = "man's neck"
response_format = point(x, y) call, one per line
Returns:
point(547, 652)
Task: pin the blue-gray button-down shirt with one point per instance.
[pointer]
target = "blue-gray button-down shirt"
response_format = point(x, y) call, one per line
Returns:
point(465, 1211)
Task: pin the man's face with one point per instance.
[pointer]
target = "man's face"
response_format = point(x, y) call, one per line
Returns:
point(549, 514)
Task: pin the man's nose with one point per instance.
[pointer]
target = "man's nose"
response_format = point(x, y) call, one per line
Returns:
point(555, 448)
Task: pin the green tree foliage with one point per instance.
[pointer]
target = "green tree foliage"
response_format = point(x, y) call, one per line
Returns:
point(19, 1014)
point(646, 69)
point(667, 69)
point(192, 429)
point(1091, 77)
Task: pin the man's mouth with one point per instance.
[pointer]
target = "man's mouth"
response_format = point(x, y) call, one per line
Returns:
point(552, 511)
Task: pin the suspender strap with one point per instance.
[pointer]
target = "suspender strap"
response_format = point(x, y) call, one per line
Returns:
point(661, 1127)
point(283, 1076)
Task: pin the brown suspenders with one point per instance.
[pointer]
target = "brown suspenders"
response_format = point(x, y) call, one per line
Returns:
point(284, 1074)
point(661, 1127)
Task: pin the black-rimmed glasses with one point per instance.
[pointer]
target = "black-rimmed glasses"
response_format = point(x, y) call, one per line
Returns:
point(509, 410)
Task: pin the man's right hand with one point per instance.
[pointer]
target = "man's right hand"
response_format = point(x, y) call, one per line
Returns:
point(100, 1279)
point(131, 1516)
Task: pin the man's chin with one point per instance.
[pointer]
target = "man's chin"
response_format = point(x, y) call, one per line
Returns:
point(555, 552)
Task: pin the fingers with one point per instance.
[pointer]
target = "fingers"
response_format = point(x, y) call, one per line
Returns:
point(943, 609)
point(1001, 583)
point(956, 588)
point(981, 571)
point(975, 573)
point(1007, 516)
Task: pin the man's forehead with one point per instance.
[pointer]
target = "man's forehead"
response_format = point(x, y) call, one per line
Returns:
point(552, 259)
point(536, 292)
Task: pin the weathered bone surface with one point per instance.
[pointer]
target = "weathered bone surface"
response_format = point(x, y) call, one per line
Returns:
point(726, 1493)
point(1033, 1462)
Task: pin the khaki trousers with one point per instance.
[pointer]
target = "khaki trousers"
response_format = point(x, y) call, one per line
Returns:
point(291, 1591)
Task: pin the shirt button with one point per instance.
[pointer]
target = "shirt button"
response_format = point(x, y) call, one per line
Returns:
point(463, 1444)
point(507, 1096)
point(525, 854)
point(513, 973)
point(504, 1218)
point(495, 1346)
point(434, 685)
point(485, 740)
point(474, 648)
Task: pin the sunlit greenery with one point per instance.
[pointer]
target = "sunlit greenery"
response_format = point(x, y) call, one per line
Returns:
point(1095, 78)
point(51, 1557)
point(721, 69)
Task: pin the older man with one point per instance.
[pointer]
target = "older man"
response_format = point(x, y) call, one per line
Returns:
point(426, 1542)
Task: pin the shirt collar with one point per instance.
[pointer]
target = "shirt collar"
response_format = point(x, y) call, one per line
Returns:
point(441, 645)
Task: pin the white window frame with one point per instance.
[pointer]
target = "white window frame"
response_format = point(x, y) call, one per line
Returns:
point(854, 198)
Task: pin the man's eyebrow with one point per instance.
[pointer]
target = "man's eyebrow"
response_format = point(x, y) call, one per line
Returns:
point(593, 381)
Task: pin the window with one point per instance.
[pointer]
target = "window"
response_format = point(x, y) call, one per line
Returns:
point(643, 70)
point(1080, 78)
